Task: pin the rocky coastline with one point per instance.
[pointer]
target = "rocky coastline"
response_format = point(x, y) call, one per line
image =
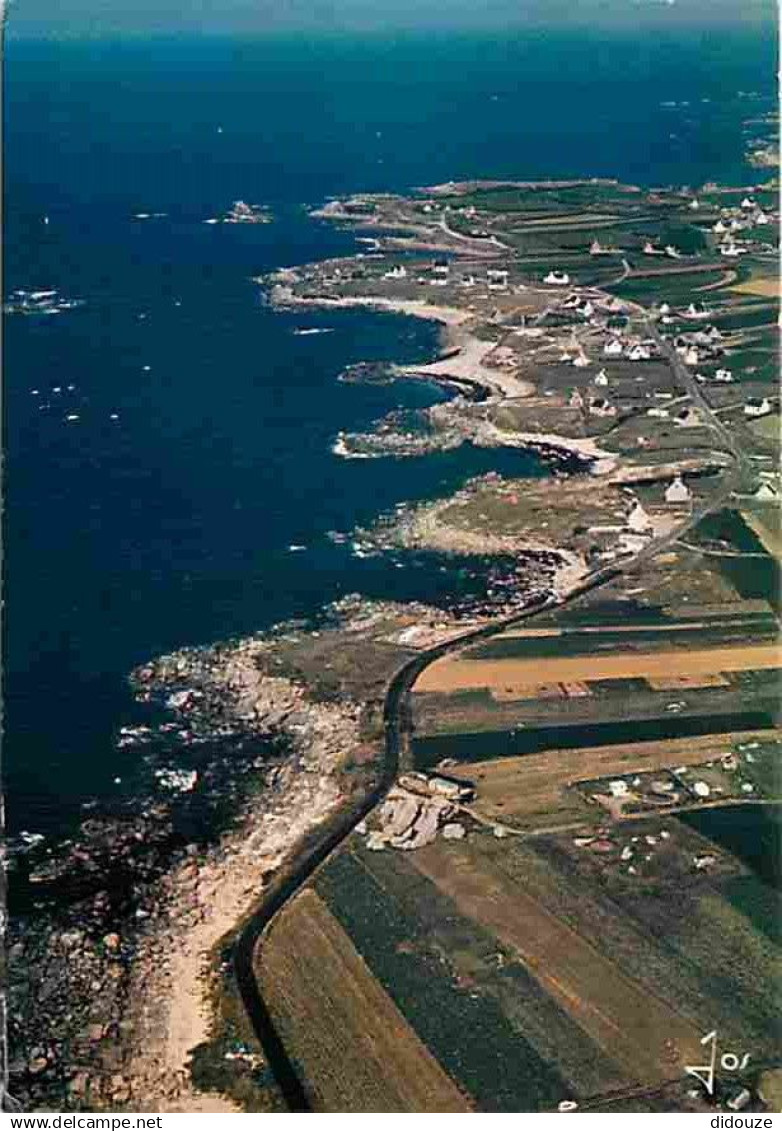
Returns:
point(145, 906)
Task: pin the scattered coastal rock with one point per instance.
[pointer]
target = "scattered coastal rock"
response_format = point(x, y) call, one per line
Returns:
point(109, 985)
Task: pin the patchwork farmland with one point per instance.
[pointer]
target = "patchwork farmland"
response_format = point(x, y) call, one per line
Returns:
point(513, 976)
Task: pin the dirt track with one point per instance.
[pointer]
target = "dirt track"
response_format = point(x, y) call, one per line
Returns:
point(531, 790)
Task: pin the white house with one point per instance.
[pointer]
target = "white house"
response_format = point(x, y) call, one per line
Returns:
point(730, 250)
point(766, 492)
point(724, 375)
point(665, 308)
point(398, 272)
point(757, 407)
point(719, 227)
point(686, 415)
point(650, 249)
point(639, 353)
point(581, 361)
point(440, 267)
point(557, 278)
point(677, 491)
point(576, 399)
point(695, 204)
point(761, 219)
point(659, 413)
point(601, 378)
point(614, 348)
point(691, 356)
point(697, 310)
point(672, 252)
point(748, 203)
point(596, 248)
point(638, 520)
point(601, 407)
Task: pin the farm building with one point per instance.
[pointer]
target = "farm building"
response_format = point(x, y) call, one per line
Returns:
point(757, 406)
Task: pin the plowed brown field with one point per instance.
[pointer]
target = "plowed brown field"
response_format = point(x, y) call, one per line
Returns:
point(457, 674)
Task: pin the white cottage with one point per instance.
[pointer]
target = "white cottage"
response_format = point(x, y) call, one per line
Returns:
point(697, 310)
point(601, 407)
point(677, 491)
point(638, 520)
point(639, 353)
point(756, 406)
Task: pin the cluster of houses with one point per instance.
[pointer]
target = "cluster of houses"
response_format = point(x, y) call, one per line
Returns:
point(699, 346)
point(596, 248)
point(758, 406)
point(670, 250)
point(596, 309)
point(440, 275)
point(593, 406)
point(747, 216)
point(639, 349)
point(694, 312)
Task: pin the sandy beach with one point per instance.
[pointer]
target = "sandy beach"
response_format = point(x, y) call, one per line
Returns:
point(469, 364)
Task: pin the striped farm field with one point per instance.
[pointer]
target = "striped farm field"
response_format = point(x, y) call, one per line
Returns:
point(457, 674)
point(646, 1036)
point(359, 1051)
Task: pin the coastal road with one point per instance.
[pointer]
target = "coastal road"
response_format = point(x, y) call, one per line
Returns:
point(317, 850)
point(398, 726)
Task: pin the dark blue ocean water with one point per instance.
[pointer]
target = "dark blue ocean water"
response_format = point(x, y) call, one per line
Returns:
point(170, 525)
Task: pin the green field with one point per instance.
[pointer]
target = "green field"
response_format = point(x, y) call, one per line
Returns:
point(417, 946)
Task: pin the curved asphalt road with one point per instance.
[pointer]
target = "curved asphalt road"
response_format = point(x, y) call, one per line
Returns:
point(397, 732)
point(331, 836)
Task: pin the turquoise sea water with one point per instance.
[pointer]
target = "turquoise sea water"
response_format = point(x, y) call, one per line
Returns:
point(171, 524)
